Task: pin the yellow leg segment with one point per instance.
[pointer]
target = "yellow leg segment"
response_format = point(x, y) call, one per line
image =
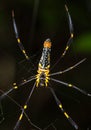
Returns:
point(20, 117)
point(68, 117)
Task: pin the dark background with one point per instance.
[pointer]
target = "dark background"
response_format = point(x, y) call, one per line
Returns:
point(50, 21)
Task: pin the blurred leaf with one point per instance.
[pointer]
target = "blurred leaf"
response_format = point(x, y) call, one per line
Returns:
point(83, 43)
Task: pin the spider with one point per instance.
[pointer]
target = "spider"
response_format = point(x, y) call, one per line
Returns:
point(43, 76)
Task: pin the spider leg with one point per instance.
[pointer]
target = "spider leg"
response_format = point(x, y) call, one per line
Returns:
point(68, 69)
point(20, 108)
point(62, 109)
point(24, 108)
point(71, 32)
point(15, 87)
point(70, 38)
point(17, 37)
point(4, 94)
point(71, 86)
point(1, 109)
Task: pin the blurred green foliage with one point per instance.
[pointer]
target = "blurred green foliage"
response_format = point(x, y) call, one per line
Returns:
point(83, 43)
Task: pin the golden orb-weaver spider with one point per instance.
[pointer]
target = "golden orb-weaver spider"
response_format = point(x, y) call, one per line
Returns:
point(43, 76)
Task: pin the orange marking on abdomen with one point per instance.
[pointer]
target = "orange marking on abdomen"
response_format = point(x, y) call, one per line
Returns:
point(47, 44)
